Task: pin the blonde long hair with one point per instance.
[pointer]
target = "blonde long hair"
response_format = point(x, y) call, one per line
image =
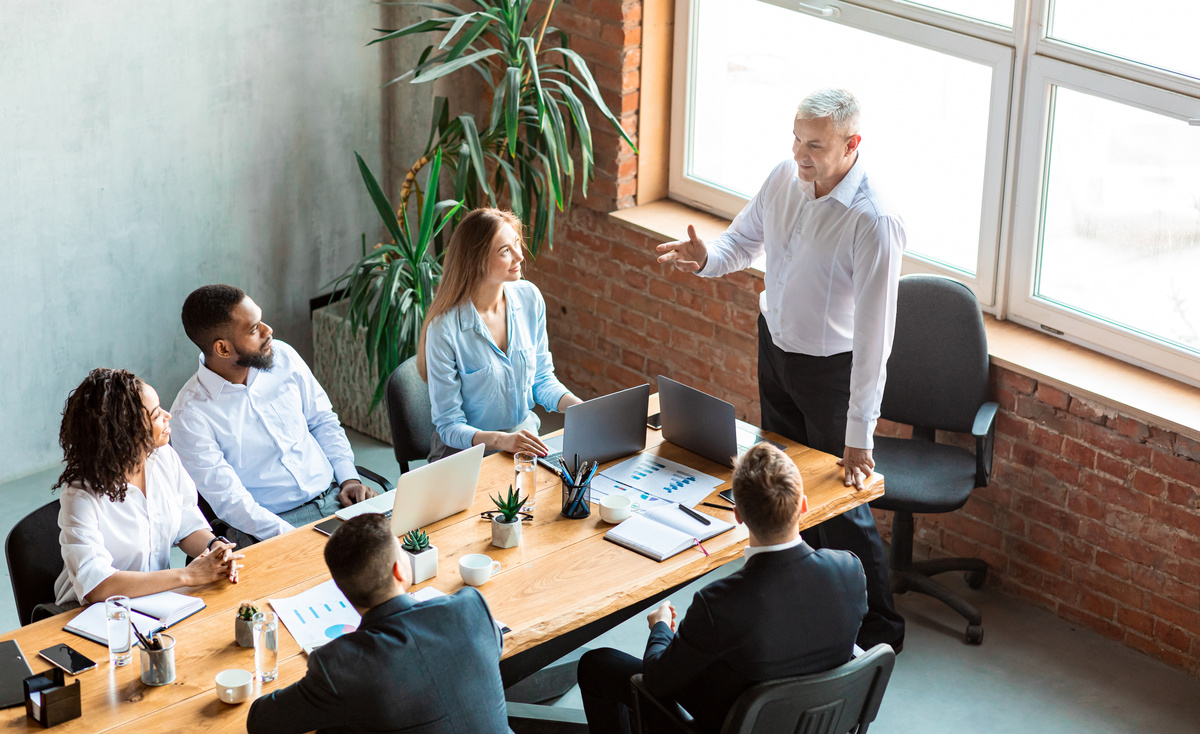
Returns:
point(465, 266)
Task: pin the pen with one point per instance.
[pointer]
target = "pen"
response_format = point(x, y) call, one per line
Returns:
point(695, 515)
point(719, 507)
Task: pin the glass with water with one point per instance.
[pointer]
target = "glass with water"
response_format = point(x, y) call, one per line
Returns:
point(120, 633)
point(266, 646)
point(525, 474)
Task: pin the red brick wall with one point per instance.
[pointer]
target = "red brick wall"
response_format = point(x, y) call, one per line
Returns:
point(1090, 513)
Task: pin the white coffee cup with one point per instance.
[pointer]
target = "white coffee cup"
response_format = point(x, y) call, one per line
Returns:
point(477, 568)
point(235, 686)
point(615, 508)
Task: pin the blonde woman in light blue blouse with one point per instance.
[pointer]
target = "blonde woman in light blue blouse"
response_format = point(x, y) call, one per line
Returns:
point(483, 348)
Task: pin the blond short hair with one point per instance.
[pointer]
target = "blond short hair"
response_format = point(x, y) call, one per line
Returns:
point(768, 490)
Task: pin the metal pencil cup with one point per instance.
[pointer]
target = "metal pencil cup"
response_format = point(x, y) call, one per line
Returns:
point(158, 666)
point(576, 501)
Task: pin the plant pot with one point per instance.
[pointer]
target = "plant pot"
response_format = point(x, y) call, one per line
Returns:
point(243, 632)
point(341, 367)
point(506, 534)
point(424, 564)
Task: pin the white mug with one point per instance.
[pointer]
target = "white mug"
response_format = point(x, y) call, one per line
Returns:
point(235, 686)
point(477, 568)
point(615, 508)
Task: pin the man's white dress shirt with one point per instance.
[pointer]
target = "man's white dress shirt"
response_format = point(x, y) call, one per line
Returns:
point(261, 448)
point(100, 537)
point(832, 272)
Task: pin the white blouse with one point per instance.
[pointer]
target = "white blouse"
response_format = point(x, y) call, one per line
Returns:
point(100, 537)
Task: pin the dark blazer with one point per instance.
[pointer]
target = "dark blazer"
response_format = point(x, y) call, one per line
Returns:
point(785, 613)
point(428, 667)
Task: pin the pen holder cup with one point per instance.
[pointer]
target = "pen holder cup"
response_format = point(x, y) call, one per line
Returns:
point(576, 501)
point(158, 666)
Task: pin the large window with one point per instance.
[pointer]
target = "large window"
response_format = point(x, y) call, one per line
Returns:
point(1069, 202)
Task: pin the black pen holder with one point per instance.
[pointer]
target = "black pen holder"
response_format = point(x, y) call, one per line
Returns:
point(59, 702)
point(576, 501)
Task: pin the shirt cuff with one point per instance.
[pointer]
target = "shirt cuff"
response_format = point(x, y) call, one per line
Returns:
point(860, 434)
point(344, 469)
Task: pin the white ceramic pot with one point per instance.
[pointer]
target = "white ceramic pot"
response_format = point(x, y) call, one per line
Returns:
point(424, 564)
point(506, 534)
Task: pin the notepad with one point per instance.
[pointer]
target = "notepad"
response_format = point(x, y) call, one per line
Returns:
point(665, 532)
point(148, 613)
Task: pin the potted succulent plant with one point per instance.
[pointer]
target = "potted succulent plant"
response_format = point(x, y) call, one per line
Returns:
point(422, 554)
point(243, 624)
point(506, 525)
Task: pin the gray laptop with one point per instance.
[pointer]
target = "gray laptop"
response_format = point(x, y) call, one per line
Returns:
point(428, 493)
point(601, 429)
point(703, 424)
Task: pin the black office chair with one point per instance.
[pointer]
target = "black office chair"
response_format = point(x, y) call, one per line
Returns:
point(34, 563)
point(409, 413)
point(845, 699)
point(937, 379)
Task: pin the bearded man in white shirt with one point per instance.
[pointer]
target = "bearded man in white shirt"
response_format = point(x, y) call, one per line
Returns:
point(254, 429)
point(833, 254)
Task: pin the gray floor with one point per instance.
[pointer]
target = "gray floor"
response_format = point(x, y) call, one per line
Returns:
point(1034, 671)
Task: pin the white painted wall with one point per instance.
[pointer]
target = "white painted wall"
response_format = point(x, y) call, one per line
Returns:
point(147, 148)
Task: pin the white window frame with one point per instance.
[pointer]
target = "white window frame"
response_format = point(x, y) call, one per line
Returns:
point(999, 57)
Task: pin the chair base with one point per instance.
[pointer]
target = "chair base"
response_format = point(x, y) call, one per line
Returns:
point(909, 575)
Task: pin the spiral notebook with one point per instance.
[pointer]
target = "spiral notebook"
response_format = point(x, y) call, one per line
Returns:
point(665, 532)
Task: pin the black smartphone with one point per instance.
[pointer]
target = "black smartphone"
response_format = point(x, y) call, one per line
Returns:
point(655, 421)
point(326, 527)
point(68, 658)
point(727, 495)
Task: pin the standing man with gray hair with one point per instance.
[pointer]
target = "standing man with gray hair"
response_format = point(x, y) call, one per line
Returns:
point(833, 250)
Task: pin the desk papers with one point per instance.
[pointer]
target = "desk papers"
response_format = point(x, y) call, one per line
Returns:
point(652, 481)
point(316, 616)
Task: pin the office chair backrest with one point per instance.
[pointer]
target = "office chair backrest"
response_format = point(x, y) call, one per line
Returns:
point(409, 413)
point(34, 559)
point(937, 375)
point(844, 699)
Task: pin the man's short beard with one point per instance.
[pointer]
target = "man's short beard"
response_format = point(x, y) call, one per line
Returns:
point(262, 361)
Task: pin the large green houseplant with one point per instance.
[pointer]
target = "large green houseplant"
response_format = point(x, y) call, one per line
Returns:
point(536, 140)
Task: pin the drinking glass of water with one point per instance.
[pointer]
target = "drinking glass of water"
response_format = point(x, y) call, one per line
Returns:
point(266, 646)
point(120, 643)
point(525, 474)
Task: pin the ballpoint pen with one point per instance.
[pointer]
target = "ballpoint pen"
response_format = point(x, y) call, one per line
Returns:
point(695, 515)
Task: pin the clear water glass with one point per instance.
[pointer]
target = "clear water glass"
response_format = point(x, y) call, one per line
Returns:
point(525, 474)
point(266, 646)
point(120, 631)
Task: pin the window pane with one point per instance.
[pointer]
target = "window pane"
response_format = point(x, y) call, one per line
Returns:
point(1161, 33)
point(999, 12)
point(924, 120)
point(1121, 221)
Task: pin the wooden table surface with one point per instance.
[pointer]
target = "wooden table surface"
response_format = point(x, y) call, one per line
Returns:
point(562, 576)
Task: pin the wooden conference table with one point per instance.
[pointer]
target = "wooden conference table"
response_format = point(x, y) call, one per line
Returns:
point(563, 585)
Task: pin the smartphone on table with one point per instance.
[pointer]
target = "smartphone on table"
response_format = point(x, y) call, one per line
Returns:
point(655, 421)
point(727, 495)
point(68, 658)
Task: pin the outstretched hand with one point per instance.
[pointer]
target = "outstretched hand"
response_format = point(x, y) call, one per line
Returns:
point(689, 256)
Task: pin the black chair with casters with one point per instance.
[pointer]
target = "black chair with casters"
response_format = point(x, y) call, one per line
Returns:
point(409, 413)
point(845, 699)
point(34, 563)
point(937, 379)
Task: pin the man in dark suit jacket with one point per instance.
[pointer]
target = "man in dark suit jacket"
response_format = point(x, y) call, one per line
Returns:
point(790, 610)
point(427, 667)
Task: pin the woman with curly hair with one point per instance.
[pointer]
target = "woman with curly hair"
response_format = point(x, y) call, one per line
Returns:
point(127, 499)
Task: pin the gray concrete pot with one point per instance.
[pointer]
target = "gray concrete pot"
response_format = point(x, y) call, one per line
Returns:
point(243, 632)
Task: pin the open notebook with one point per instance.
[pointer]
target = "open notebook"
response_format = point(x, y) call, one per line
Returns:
point(665, 532)
point(148, 613)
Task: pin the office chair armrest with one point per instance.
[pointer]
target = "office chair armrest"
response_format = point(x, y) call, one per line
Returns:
point(44, 611)
point(651, 714)
point(984, 432)
point(366, 473)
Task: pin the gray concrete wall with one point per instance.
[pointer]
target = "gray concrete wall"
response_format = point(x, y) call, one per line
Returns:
point(147, 148)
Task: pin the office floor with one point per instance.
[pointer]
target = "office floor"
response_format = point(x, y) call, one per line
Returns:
point(1033, 672)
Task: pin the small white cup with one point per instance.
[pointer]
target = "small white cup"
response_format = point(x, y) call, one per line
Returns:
point(477, 568)
point(235, 686)
point(615, 508)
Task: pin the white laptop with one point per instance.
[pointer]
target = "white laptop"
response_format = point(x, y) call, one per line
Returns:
point(426, 494)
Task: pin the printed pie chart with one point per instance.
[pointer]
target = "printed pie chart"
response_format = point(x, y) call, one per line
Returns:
point(338, 630)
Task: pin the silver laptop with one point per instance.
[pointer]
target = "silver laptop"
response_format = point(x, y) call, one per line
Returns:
point(601, 429)
point(426, 494)
point(703, 424)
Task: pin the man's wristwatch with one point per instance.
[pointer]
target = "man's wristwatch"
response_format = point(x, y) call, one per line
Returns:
point(220, 538)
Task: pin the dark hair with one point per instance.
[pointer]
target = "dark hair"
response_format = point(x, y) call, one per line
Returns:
point(105, 433)
point(768, 490)
point(206, 310)
point(360, 554)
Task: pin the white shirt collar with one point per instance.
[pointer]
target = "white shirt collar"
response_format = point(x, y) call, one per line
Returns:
point(756, 549)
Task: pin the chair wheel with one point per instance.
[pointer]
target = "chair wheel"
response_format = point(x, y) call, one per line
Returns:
point(974, 634)
point(975, 579)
